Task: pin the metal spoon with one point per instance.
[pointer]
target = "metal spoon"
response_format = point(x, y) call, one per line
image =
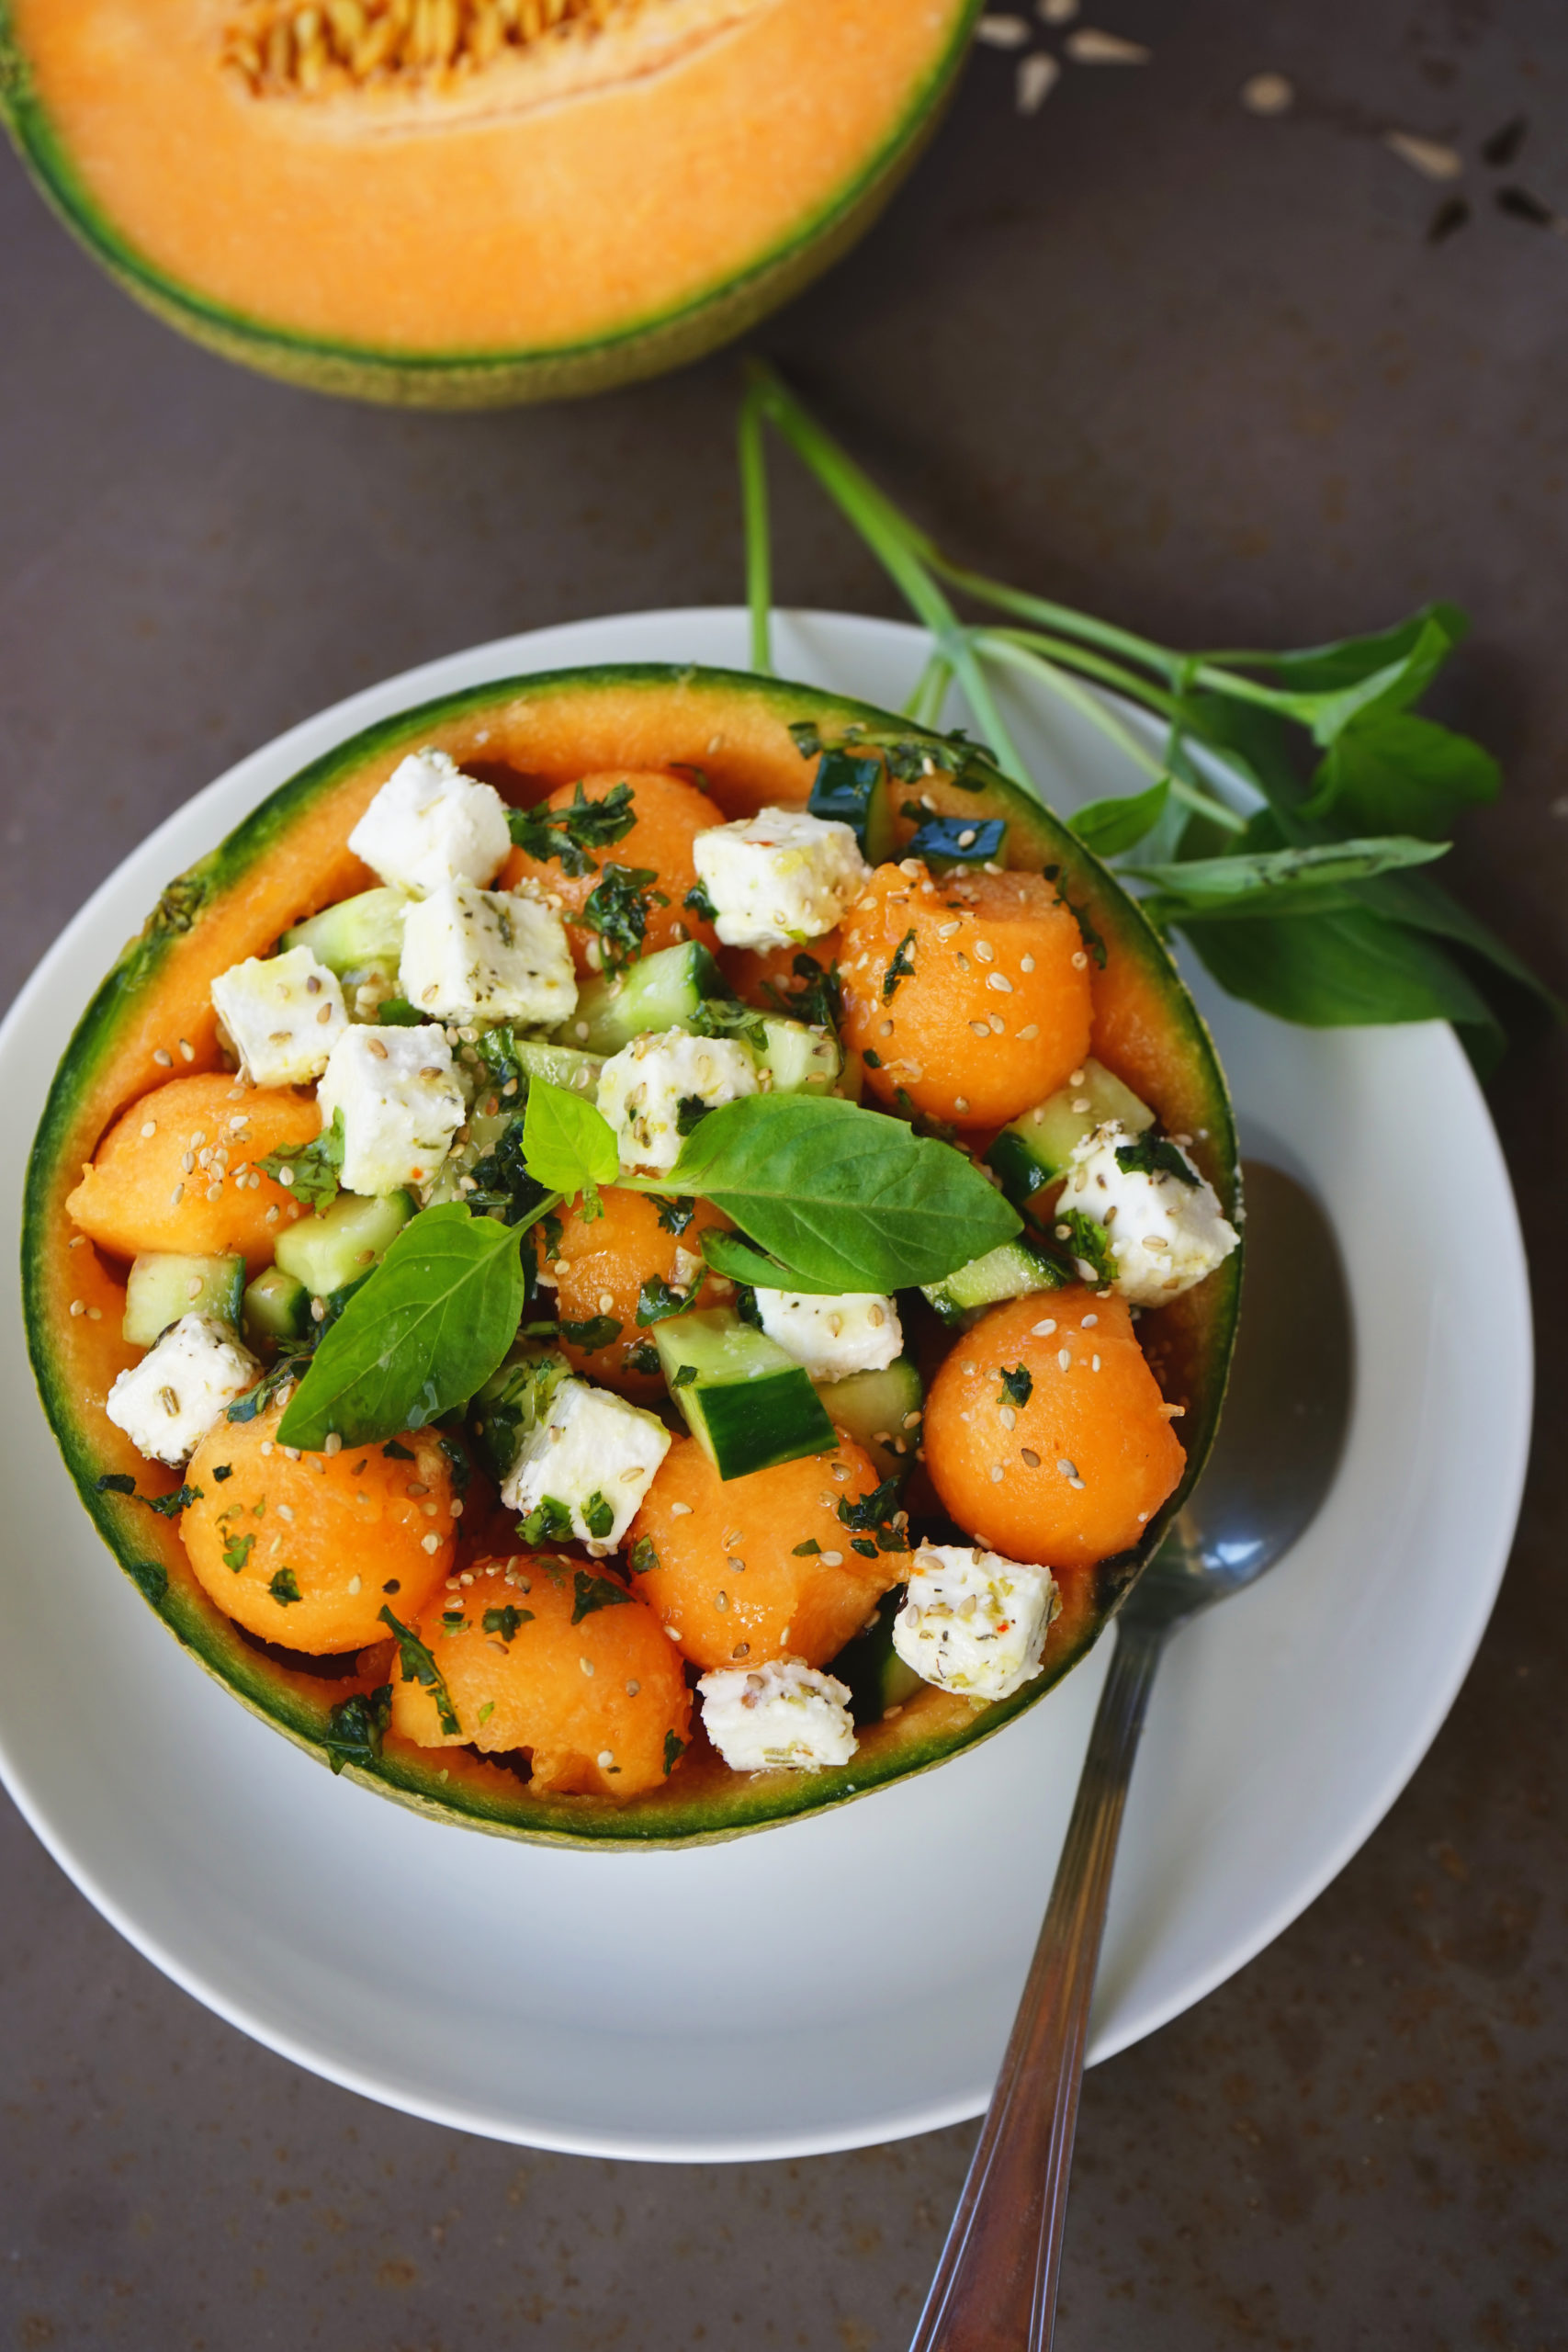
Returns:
point(1274, 1460)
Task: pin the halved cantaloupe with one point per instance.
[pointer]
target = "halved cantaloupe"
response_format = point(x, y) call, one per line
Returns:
point(286, 860)
point(464, 203)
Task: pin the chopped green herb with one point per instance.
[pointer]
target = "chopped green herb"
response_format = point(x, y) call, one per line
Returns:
point(171, 1506)
point(419, 1665)
point(685, 1375)
point(598, 1331)
point(642, 1558)
point(617, 908)
point(690, 1113)
point(1152, 1154)
point(1018, 1385)
point(355, 1727)
point(820, 1001)
point(698, 902)
point(746, 1305)
point(550, 1227)
point(644, 1357)
point(456, 1453)
point(487, 1711)
point(452, 1619)
point(548, 1523)
point(872, 1058)
point(674, 1749)
point(310, 1171)
point(900, 969)
point(396, 1013)
point(675, 1215)
point(505, 1621)
point(591, 1593)
point(569, 834)
point(237, 1551)
point(805, 1550)
point(876, 1514)
point(285, 1588)
point(658, 1300)
point(921, 1120)
point(115, 1482)
point(393, 1584)
point(222, 1470)
point(255, 1400)
point(1088, 1244)
point(393, 1451)
point(598, 1516)
point(864, 1544)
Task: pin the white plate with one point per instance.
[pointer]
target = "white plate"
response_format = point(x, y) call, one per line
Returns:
point(846, 1979)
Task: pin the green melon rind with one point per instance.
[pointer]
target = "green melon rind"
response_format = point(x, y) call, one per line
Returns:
point(296, 1706)
point(476, 379)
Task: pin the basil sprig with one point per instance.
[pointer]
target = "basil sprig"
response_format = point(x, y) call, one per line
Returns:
point(426, 1328)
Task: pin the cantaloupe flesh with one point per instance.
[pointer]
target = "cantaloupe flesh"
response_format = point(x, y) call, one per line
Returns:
point(552, 229)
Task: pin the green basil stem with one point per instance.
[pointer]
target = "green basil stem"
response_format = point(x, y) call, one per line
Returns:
point(1008, 647)
point(758, 538)
point(1058, 617)
point(924, 705)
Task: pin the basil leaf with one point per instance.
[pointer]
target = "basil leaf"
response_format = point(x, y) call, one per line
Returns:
point(591, 1593)
point(310, 1171)
point(430, 1325)
point(1332, 970)
point(1110, 827)
point(845, 1199)
point(355, 1727)
point(419, 1664)
point(1324, 668)
point(1265, 881)
point(568, 1145)
point(1399, 774)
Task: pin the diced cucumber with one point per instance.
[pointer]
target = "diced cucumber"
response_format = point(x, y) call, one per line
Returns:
point(878, 1677)
point(854, 788)
point(803, 1060)
point(1035, 1150)
point(278, 1308)
point(513, 1401)
point(485, 1129)
point(746, 1404)
point(507, 1056)
point(1013, 1271)
point(358, 938)
point(661, 991)
point(329, 1251)
point(881, 1411)
point(165, 1285)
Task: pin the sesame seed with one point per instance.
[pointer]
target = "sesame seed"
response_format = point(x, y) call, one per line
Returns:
point(150, 1127)
point(985, 950)
point(1030, 1029)
point(1094, 1363)
point(177, 1196)
point(1080, 961)
point(1001, 982)
point(1043, 1330)
point(585, 1664)
point(946, 930)
point(1029, 1458)
point(78, 1307)
point(1089, 1321)
point(334, 1442)
point(604, 1758)
point(354, 1584)
point(832, 1559)
point(979, 1028)
point(996, 1474)
point(431, 1542)
point(164, 1060)
point(1064, 1358)
point(1010, 1419)
point(680, 1510)
point(721, 1601)
point(187, 1051)
point(215, 1191)
point(1067, 1469)
point(961, 1103)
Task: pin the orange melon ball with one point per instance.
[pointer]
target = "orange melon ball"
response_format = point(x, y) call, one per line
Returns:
point(550, 1655)
point(969, 993)
point(761, 976)
point(1076, 1471)
point(308, 1549)
point(138, 1193)
point(670, 812)
point(600, 1271)
point(760, 1566)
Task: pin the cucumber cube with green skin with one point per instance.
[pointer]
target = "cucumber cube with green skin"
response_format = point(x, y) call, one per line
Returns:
point(1013, 1271)
point(163, 1284)
point(277, 1308)
point(878, 1677)
point(356, 935)
point(485, 1129)
point(802, 1060)
point(881, 1411)
point(944, 842)
point(507, 1057)
point(854, 788)
point(329, 1251)
point(1036, 1149)
point(745, 1402)
point(659, 992)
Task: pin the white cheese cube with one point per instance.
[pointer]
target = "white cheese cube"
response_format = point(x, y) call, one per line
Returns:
point(430, 823)
point(780, 1717)
point(778, 876)
point(972, 1622)
point(167, 1403)
point(592, 1454)
point(1165, 1231)
point(833, 1336)
point(650, 1086)
point(284, 1014)
point(471, 956)
point(400, 1102)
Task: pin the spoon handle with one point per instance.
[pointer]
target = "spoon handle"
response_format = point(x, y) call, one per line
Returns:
point(994, 2288)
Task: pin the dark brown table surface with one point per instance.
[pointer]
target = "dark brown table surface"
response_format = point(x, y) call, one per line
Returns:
point(1200, 371)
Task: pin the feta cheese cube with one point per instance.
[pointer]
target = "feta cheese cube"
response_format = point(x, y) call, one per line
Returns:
point(284, 1013)
point(832, 1337)
point(167, 1403)
point(972, 1622)
point(471, 955)
point(1166, 1229)
point(778, 877)
point(592, 1454)
point(648, 1089)
point(430, 823)
point(400, 1102)
point(780, 1717)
